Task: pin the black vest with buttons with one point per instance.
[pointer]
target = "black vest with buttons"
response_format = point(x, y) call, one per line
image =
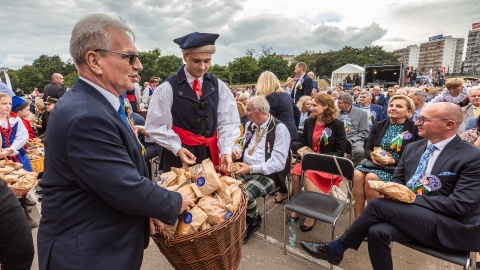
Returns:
point(198, 116)
point(277, 177)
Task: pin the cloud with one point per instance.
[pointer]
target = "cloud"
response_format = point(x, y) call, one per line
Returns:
point(31, 28)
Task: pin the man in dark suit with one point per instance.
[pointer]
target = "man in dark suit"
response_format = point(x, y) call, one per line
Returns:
point(374, 111)
point(304, 84)
point(450, 168)
point(379, 97)
point(96, 193)
point(314, 82)
point(54, 89)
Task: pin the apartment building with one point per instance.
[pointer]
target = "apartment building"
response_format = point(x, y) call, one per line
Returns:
point(472, 57)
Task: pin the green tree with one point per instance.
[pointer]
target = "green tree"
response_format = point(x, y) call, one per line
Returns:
point(70, 79)
point(149, 62)
point(46, 66)
point(28, 78)
point(275, 64)
point(168, 65)
point(244, 70)
point(221, 72)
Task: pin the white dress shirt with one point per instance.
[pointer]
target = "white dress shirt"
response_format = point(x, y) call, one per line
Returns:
point(433, 157)
point(277, 160)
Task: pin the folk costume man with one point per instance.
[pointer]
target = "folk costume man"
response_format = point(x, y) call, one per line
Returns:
point(193, 114)
point(264, 152)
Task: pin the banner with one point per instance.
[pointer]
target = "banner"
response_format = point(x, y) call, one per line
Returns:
point(7, 80)
point(444, 70)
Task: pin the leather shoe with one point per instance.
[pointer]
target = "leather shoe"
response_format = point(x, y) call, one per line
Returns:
point(304, 228)
point(320, 251)
point(251, 228)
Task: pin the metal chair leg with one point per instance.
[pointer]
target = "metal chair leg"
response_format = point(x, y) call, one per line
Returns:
point(284, 232)
point(265, 217)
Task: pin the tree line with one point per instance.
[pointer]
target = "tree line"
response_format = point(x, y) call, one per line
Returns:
point(243, 70)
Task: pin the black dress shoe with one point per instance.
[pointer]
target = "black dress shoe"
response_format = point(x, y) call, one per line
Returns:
point(304, 228)
point(320, 251)
point(251, 228)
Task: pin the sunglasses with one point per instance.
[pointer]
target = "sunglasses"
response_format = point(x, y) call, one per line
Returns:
point(131, 56)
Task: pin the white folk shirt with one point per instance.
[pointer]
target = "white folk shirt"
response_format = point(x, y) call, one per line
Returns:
point(159, 118)
point(21, 137)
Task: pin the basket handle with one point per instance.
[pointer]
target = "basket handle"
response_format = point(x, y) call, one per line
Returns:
point(167, 236)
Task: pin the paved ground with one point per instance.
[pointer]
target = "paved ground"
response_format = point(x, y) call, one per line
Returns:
point(260, 253)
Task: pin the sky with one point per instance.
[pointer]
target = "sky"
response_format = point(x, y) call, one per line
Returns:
point(30, 28)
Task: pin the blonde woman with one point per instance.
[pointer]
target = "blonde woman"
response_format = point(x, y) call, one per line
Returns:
point(282, 108)
point(304, 104)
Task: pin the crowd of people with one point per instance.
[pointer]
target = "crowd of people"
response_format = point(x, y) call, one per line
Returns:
point(99, 203)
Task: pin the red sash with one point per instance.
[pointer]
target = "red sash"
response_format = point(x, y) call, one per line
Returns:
point(131, 97)
point(191, 139)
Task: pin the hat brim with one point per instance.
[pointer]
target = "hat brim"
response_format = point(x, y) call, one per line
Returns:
point(203, 49)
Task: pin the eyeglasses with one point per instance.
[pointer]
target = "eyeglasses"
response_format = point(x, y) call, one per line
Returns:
point(131, 56)
point(421, 120)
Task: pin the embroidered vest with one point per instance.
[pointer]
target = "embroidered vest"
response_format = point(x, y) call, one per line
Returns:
point(277, 177)
point(198, 116)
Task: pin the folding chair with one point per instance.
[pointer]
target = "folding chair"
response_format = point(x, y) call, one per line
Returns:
point(265, 203)
point(317, 205)
point(463, 258)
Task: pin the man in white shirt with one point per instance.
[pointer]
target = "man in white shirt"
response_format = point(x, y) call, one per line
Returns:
point(264, 152)
point(192, 113)
point(419, 97)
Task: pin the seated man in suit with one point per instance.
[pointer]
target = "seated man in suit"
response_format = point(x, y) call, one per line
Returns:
point(264, 152)
point(472, 109)
point(452, 168)
point(356, 126)
point(374, 111)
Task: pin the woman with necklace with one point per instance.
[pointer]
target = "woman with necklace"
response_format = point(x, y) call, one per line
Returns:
point(324, 134)
point(392, 135)
point(14, 134)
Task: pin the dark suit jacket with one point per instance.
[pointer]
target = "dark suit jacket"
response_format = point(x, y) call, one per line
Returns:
point(457, 202)
point(283, 108)
point(53, 90)
point(374, 108)
point(337, 143)
point(378, 131)
point(381, 101)
point(307, 86)
point(96, 191)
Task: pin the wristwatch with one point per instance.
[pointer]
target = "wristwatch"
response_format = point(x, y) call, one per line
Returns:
point(251, 170)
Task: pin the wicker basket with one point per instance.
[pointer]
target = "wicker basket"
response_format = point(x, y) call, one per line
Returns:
point(21, 192)
point(219, 247)
point(37, 164)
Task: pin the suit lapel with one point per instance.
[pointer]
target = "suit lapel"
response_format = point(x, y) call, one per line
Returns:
point(447, 153)
point(108, 106)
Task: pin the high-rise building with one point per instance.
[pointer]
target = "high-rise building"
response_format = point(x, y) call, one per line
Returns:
point(408, 56)
point(441, 53)
point(471, 65)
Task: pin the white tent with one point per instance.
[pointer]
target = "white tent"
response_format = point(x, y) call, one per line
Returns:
point(341, 73)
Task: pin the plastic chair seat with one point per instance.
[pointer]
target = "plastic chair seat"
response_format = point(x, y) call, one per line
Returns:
point(453, 256)
point(317, 206)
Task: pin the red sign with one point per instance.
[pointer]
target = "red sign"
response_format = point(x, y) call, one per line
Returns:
point(475, 25)
point(443, 70)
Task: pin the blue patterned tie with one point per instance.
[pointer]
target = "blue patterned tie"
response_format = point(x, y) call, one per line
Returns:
point(422, 166)
point(121, 111)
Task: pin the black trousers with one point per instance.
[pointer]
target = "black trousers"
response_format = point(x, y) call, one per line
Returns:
point(16, 242)
point(386, 221)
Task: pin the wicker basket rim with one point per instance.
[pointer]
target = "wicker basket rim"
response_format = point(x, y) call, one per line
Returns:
point(175, 239)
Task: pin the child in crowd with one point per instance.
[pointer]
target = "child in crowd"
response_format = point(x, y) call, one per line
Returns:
point(14, 134)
